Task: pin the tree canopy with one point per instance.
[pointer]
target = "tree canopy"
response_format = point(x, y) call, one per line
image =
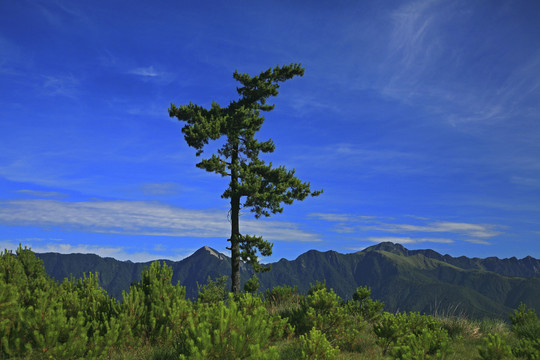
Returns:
point(253, 184)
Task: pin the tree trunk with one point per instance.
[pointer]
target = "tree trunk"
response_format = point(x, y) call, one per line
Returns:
point(235, 244)
point(235, 224)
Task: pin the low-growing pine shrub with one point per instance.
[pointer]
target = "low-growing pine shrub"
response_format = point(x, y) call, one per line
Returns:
point(526, 326)
point(41, 319)
point(240, 329)
point(213, 291)
point(315, 346)
point(411, 336)
point(494, 348)
point(154, 309)
point(363, 305)
point(325, 311)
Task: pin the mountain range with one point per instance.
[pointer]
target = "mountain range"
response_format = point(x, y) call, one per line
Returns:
point(405, 280)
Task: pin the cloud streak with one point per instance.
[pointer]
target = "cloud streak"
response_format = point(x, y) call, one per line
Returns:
point(430, 58)
point(344, 223)
point(148, 71)
point(407, 240)
point(140, 218)
point(44, 194)
point(116, 252)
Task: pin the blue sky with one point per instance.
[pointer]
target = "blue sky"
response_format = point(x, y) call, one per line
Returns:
point(419, 119)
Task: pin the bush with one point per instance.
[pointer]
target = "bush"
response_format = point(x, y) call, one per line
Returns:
point(154, 309)
point(323, 310)
point(315, 346)
point(252, 285)
point(364, 306)
point(214, 291)
point(241, 330)
point(526, 326)
point(494, 348)
point(43, 319)
point(411, 336)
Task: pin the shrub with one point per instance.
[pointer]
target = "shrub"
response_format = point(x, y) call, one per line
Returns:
point(411, 336)
point(315, 346)
point(154, 309)
point(523, 316)
point(42, 319)
point(494, 348)
point(240, 330)
point(252, 285)
point(323, 310)
point(526, 326)
point(364, 306)
point(214, 290)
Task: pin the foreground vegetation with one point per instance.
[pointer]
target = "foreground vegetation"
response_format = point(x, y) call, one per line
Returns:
point(43, 319)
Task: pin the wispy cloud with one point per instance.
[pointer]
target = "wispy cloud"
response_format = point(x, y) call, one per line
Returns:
point(475, 230)
point(478, 241)
point(46, 194)
point(59, 13)
point(11, 57)
point(160, 189)
point(430, 59)
point(342, 218)
point(351, 224)
point(145, 71)
point(153, 74)
point(371, 161)
point(61, 85)
point(408, 240)
point(118, 252)
point(140, 218)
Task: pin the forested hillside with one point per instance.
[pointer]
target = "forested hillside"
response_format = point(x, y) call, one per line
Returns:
point(406, 280)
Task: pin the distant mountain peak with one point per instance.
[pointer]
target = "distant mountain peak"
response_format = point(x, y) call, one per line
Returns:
point(390, 247)
point(208, 250)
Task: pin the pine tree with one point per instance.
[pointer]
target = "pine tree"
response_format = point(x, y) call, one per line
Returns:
point(264, 188)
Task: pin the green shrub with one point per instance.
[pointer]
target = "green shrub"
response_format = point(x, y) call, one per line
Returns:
point(411, 336)
point(364, 306)
point(213, 291)
point(315, 346)
point(523, 316)
point(323, 310)
point(526, 326)
point(241, 330)
point(494, 348)
point(252, 285)
point(42, 319)
point(154, 309)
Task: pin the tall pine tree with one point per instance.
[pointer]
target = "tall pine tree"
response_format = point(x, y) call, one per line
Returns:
point(253, 183)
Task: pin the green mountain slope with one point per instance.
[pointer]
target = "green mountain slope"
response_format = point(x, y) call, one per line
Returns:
point(417, 280)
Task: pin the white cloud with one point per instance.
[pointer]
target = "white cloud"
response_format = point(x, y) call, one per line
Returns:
point(332, 217)
point(348, 224)
point(475, 230)
point(478, 241)
point(145, 71)
point(150, 74)
point(408, 240)
point(428, 58)
point(118, 253)
point(140, 218)
point(48, 194)
point(160, 189)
